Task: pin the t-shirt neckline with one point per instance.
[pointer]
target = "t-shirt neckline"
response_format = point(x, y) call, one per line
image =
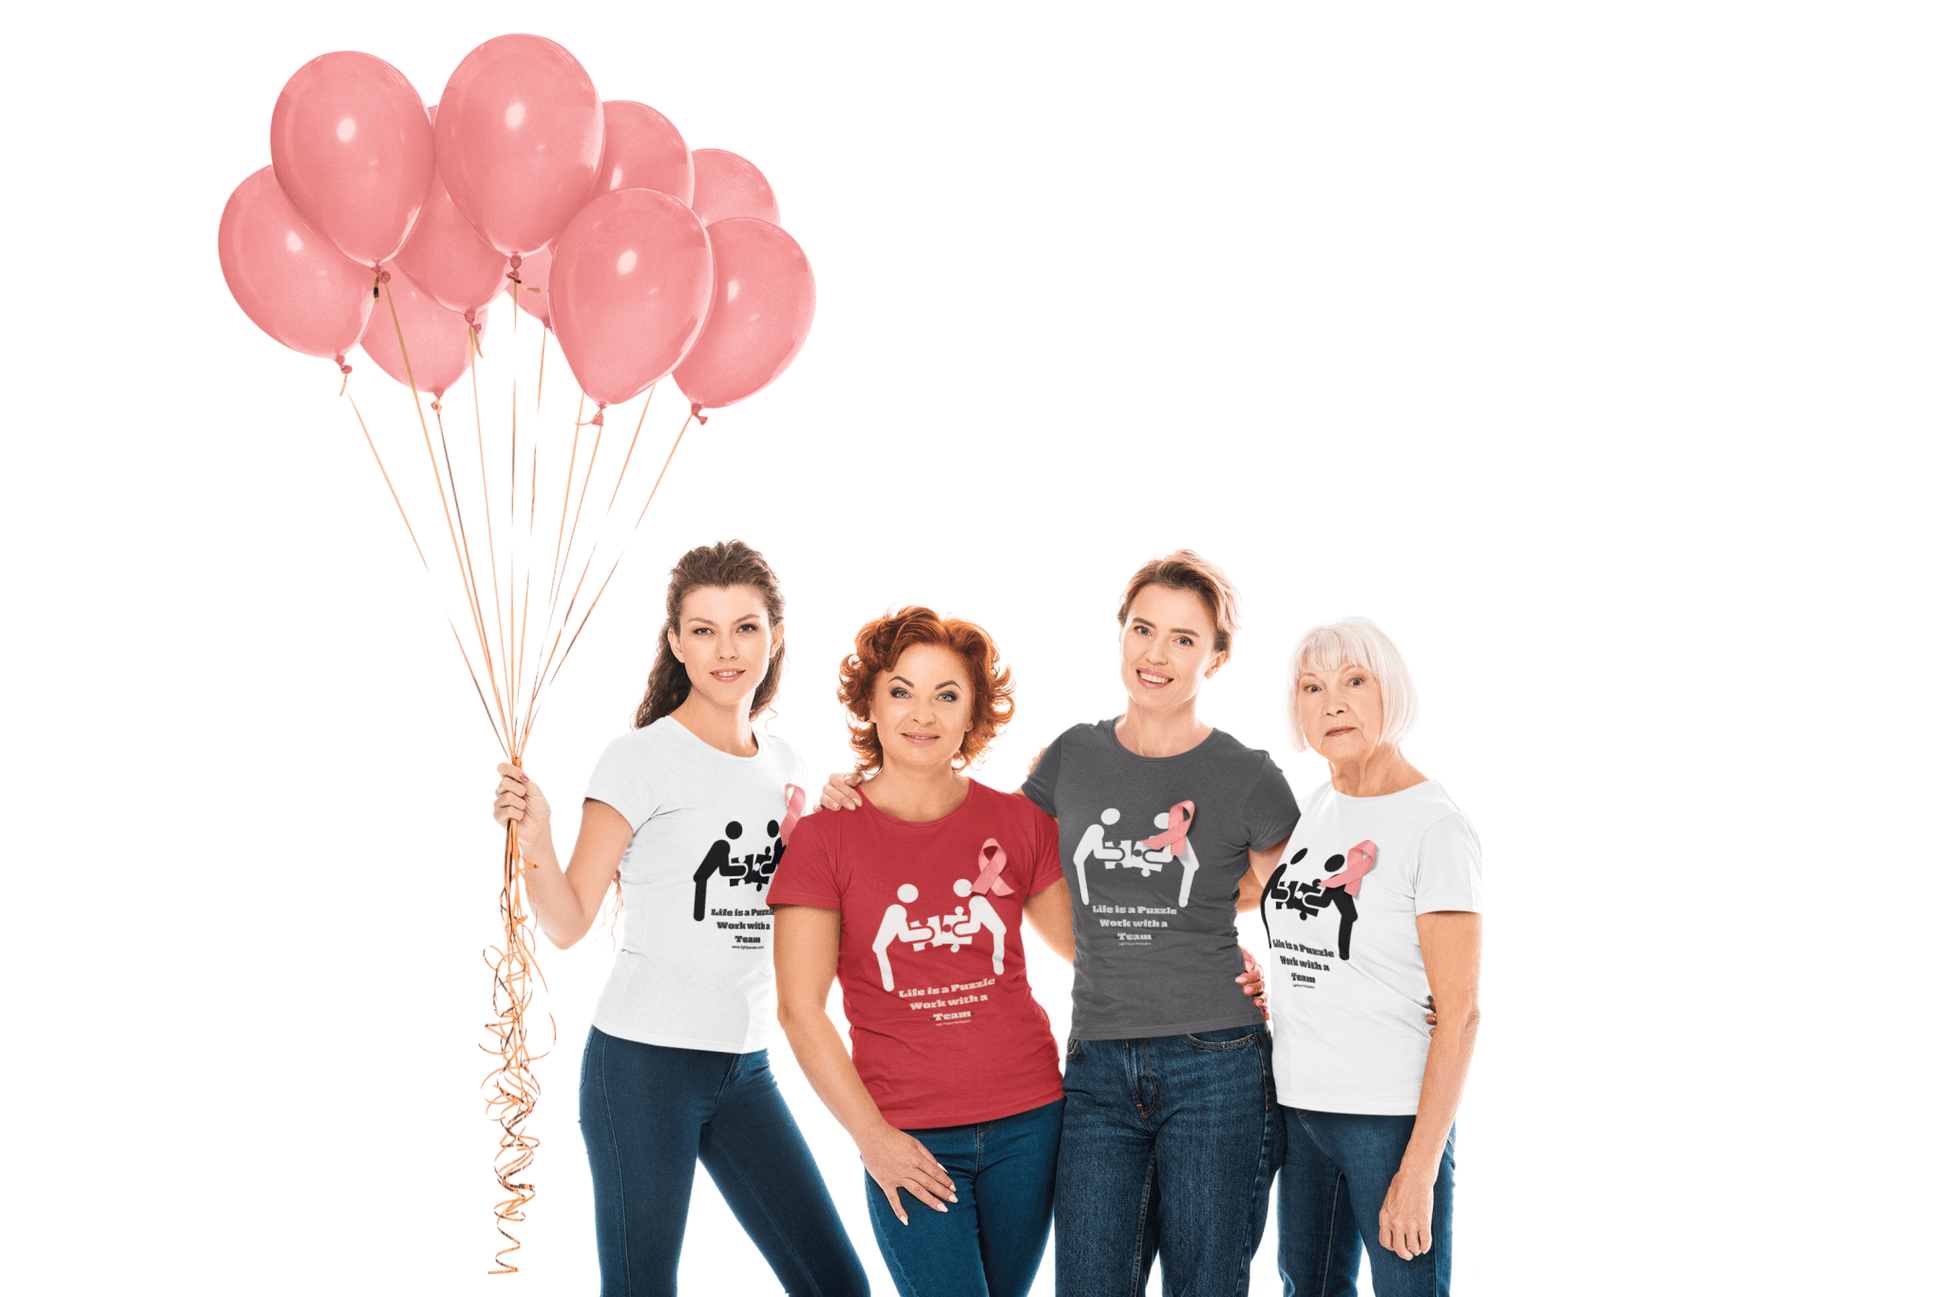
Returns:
point(1123, 748)
point(699, 741)
point(1379, 797)
point(972, 784)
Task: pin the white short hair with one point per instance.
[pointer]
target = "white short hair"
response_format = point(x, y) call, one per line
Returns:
point(1360, 642)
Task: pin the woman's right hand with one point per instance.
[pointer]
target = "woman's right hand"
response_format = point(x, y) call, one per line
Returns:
point(841, 792)
point(895, 1161)
point(520, 801)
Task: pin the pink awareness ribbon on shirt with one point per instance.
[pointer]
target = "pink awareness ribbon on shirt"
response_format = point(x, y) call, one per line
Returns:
point(993, 859)
point(794, 811)
point(1359, 861)
point(1176, 836)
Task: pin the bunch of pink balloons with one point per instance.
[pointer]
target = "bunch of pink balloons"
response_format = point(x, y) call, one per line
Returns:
point(644, 258)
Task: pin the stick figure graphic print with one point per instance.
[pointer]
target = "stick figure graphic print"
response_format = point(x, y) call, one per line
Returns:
point(693, 966)
point(1349, 998)
point(1333, 888)
point(944, 1026)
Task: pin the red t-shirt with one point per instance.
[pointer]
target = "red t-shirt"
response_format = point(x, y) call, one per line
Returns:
point(944, 1028)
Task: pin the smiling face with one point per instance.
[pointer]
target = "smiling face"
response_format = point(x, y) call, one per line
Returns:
point(725, 641)
point(922, 707)
point(1340, 712)
point(1168, 647)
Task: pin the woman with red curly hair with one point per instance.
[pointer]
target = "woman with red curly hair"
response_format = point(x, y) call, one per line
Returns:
point(952, 1088)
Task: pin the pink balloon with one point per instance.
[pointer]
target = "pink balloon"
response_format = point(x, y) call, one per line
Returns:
point(728, 186)
point(447, 257)
point(351, 146)
point(519, 135)
point(530, 294)
point(642, 150)
point(628, 290)
point(759, 315)
point(289, 279)
point(437, 340)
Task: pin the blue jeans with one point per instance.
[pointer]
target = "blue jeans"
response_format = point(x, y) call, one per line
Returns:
point(1337, 1169)
point(1169, 1145)
point(649, 1113)
point(989, 1243)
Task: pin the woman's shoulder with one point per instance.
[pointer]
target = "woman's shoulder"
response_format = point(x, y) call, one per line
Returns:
point(650, 741)
point(992, 804)
point(1083, 734)
point(1223, 743)
point(779, 748)
point(821, 826)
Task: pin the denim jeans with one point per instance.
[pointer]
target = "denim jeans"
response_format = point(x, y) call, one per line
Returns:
point(989, 1243)
point(1337, 1168)
point(649, 1113)
point(1169, 1146)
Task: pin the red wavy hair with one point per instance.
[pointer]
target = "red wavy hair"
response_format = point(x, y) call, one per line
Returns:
point(878, 648)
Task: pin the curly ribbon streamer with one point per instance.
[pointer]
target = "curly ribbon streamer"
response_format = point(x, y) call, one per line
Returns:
point(993, 859)
point(512, 1089)
point(1176, 836)
point(1359, 861)
point(793, 811)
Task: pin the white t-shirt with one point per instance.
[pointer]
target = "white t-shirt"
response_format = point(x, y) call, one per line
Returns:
point(694, 969)
point(1348, 985)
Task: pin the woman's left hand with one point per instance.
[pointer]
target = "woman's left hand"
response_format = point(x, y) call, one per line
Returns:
point(1252, 982)
point(1405, 1219)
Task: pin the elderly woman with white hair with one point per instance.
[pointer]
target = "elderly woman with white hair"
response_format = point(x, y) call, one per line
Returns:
point(1373, 914)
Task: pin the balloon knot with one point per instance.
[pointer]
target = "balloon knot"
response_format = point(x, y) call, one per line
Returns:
point(514, 261)
point(435, 405)
point(696, 412)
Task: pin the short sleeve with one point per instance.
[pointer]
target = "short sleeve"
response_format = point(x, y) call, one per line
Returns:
point(808, 873)
point(1038, 787)
point(1449, 868)
point(1046, 866)
point(1270, 813)
point(625, 778)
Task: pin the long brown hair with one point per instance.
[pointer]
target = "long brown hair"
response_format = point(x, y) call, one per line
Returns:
point(722, 565)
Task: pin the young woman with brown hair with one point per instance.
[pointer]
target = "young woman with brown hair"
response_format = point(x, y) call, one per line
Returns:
point(689, 814)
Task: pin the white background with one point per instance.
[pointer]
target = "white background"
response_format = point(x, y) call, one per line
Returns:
point(1593, 351)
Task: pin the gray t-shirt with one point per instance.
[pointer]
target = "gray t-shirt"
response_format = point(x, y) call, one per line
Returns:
point(1153, 849)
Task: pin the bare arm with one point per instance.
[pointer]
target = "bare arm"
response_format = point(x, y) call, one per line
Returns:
point(565, 904)
point(1052, 913)
point(805, 939)
point(1450, 942)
